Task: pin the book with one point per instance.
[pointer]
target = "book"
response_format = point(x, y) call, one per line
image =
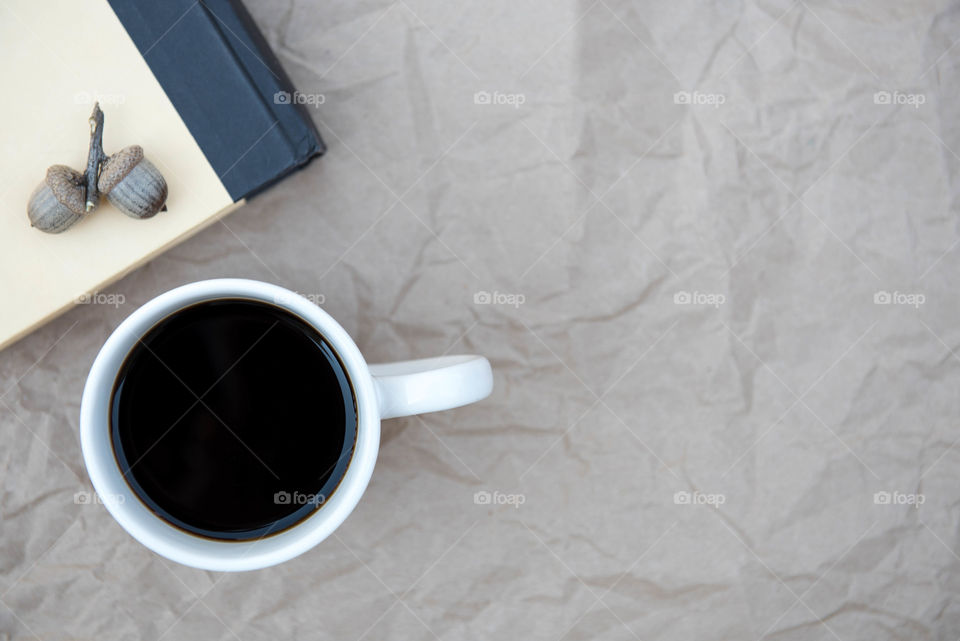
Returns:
point(194, 83)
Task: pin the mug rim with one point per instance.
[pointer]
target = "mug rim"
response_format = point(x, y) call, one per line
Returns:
point(165, 538)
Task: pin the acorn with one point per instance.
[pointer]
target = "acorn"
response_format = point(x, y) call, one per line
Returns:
point(133, 184)
point(59, 201)
point(66, 195)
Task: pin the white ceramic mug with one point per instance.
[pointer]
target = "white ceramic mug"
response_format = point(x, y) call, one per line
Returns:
point(381, 391)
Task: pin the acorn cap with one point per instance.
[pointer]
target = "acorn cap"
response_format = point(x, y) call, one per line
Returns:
point(63, 182)
point(118, 166)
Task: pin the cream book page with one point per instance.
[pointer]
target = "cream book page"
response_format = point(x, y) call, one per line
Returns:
point(50, 85)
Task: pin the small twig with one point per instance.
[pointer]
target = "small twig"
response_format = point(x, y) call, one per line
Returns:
point(95, 157)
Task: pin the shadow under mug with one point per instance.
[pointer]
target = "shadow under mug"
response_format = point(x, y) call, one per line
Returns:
point(381, 391)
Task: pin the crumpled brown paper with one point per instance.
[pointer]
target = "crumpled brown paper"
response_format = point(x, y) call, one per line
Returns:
point(709, 249)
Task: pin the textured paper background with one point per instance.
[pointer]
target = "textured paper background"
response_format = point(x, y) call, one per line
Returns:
point(598, 200)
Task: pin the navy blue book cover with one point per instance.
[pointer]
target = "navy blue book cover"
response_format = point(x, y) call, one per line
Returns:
point(224, 80)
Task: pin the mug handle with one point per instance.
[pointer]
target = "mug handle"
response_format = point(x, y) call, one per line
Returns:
point(425, 385)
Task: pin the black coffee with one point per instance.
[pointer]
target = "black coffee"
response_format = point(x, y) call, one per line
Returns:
point(233, 419)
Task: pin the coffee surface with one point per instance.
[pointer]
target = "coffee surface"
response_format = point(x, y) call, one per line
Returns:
point(233, 419)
